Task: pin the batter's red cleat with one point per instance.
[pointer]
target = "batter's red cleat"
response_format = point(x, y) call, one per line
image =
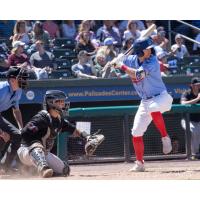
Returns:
point(167, 145)
point(138, 167)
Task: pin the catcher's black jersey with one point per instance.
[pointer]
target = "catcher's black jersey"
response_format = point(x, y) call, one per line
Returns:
point(44, 128)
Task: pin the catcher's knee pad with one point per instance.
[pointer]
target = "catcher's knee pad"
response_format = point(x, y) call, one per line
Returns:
point(36, 145)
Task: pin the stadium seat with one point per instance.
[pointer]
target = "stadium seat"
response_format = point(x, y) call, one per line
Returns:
point(74, 61)
point(64, 53)
point(174, 61)
point(193, 69)
point(64, 43)
point(62, 63)
point(61, 74)
point(191, 61)
point(3, 40)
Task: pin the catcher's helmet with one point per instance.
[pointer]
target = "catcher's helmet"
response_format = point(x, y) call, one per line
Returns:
point(20, 74)
point(141, 45)
point(50, 99)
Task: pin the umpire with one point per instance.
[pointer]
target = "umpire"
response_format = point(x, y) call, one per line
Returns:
point(10, 94)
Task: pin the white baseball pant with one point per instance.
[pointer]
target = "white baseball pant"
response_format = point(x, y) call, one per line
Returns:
point(160, 103)
point(53, 161)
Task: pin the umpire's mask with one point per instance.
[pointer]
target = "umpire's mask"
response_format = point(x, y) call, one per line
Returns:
point(20, 74)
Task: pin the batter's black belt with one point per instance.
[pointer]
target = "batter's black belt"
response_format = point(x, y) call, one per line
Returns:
point(152, 96)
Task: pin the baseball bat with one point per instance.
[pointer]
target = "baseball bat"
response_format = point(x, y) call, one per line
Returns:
point(145, 34)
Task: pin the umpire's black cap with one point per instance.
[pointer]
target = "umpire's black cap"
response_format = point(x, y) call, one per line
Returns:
point(13, 72)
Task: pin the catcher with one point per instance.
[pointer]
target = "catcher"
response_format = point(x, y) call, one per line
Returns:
point(40, 132)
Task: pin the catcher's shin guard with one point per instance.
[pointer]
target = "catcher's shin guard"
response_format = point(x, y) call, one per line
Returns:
point(38, 157)
point(93, 141)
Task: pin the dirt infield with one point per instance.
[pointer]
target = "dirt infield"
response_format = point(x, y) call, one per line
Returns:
point(155, 170)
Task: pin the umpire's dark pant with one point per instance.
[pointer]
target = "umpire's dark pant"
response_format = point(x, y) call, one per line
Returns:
point(15, 140)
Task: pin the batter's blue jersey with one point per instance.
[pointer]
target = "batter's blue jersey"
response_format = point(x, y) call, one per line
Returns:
point(152, 84)
point(8, 98)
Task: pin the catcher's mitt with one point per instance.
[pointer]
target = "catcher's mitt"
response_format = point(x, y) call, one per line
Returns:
point(93, 141)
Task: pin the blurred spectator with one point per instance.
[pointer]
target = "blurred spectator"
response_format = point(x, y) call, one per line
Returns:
point(83, 69)
point(18, 57)
point(52, 28)
point(123, 25)
point(110, 72)
point(179, 50)
point(162, 59)
point(109, 30)
point(193, 97)
point(140, 25)
point(94, 25)
point(41, 73)
point(100, 61)
point(148, 23)
point(127, 43)
point(104, 69)
point(41, 58)
point(20, 33)
point(196, 47)
point(108, 49)
point(84, 42)
point(39, 33)
point(131, 31)
point(6, 28)
point(160, 40)
point(29, 26)
point(4, 52)
point(85, 26)
point(68, 29)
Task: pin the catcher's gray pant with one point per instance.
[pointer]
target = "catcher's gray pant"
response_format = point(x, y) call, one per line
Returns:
point(53, 161)
point(195, 135)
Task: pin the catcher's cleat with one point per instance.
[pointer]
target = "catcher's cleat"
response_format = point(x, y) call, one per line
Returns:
point(138, 167)
point(46, 172)
point(167, 145)
point(93, 141)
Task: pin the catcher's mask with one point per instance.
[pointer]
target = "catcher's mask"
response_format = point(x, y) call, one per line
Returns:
point(52, 97)
point(20, 74)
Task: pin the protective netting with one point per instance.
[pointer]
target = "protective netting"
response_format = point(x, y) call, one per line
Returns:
point(113, 147)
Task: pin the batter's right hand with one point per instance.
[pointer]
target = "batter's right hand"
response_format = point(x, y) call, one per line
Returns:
point(116, 63)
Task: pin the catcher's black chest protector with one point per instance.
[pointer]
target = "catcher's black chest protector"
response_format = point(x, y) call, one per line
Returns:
point(54, 128)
